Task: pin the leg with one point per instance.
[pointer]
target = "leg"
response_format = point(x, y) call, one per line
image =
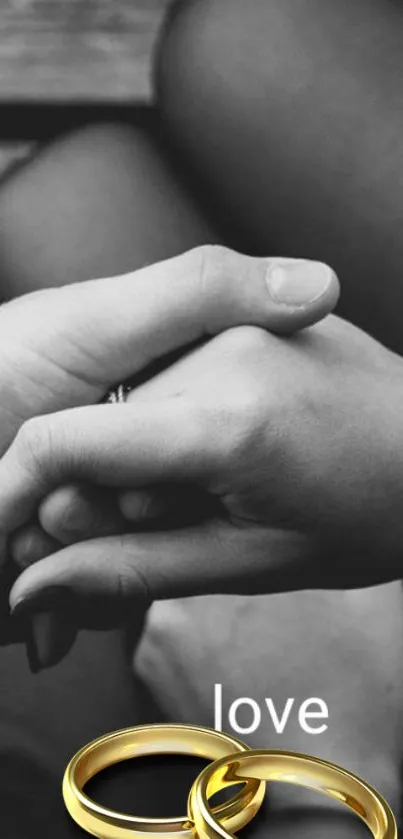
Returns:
point(100, 202)
point(97, 203)
point(290, 115)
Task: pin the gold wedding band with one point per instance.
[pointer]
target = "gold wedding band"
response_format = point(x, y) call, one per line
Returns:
point(292, 768)
point(147, 740)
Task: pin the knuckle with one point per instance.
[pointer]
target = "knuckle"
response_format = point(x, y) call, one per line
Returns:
point(205, 435)
point(246, 427)
point(234, 428)
point(33, 441)
point(216, 267)
point(233, 424)
point(213, 257)
point(244, 341)
point(132, 583)
point(198, 419)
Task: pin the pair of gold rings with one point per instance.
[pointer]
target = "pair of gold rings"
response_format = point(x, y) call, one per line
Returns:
point(233, 764)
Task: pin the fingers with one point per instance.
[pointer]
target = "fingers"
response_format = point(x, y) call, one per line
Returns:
point(70, 514)
point(106, 583)
point(76, 512)
point(51, 632)
point(111, 445)
point(109, 579)
point(30, 544)
point(139, 317)
point(167, 507)
point(118, 326)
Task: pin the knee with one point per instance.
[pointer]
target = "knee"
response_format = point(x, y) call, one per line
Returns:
point(60, 205)
point(229, 59)
point(224, 77)
point(212, 56)
point(100, 201)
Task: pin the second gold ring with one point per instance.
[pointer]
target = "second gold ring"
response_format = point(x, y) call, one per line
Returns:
point(291, 768)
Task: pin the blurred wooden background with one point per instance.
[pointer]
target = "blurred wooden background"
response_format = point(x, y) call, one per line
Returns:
point(77, 49)
point(60, 60)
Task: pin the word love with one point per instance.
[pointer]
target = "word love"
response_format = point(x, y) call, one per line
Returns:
point(310, 714)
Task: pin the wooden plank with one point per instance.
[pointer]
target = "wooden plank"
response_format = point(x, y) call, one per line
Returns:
point(65, 50)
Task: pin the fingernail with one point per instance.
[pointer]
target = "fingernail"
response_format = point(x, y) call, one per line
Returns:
point(297, 282)
point(50, 638)
point(31, 647)
point(42, 600)
point(49, 628)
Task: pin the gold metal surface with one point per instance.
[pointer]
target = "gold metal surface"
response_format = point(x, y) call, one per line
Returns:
point(148, 740)
point(291, 768)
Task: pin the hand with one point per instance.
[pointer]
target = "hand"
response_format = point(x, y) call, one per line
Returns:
point(65, 347)
point(296, 442)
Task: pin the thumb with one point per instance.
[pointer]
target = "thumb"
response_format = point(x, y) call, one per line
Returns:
point(301, 293)
point(108, 330)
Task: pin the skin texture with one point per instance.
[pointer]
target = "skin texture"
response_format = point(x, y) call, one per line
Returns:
point(80, 341)
point(78, 171)
point(289, 115)
point(67, 249)
point(273, 645)
point(294, 443)
point(37, 700)
point(327, 644)
point(62, 221)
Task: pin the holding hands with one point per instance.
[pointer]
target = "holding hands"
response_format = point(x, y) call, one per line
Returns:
point(288, 448)
point(294, 447)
